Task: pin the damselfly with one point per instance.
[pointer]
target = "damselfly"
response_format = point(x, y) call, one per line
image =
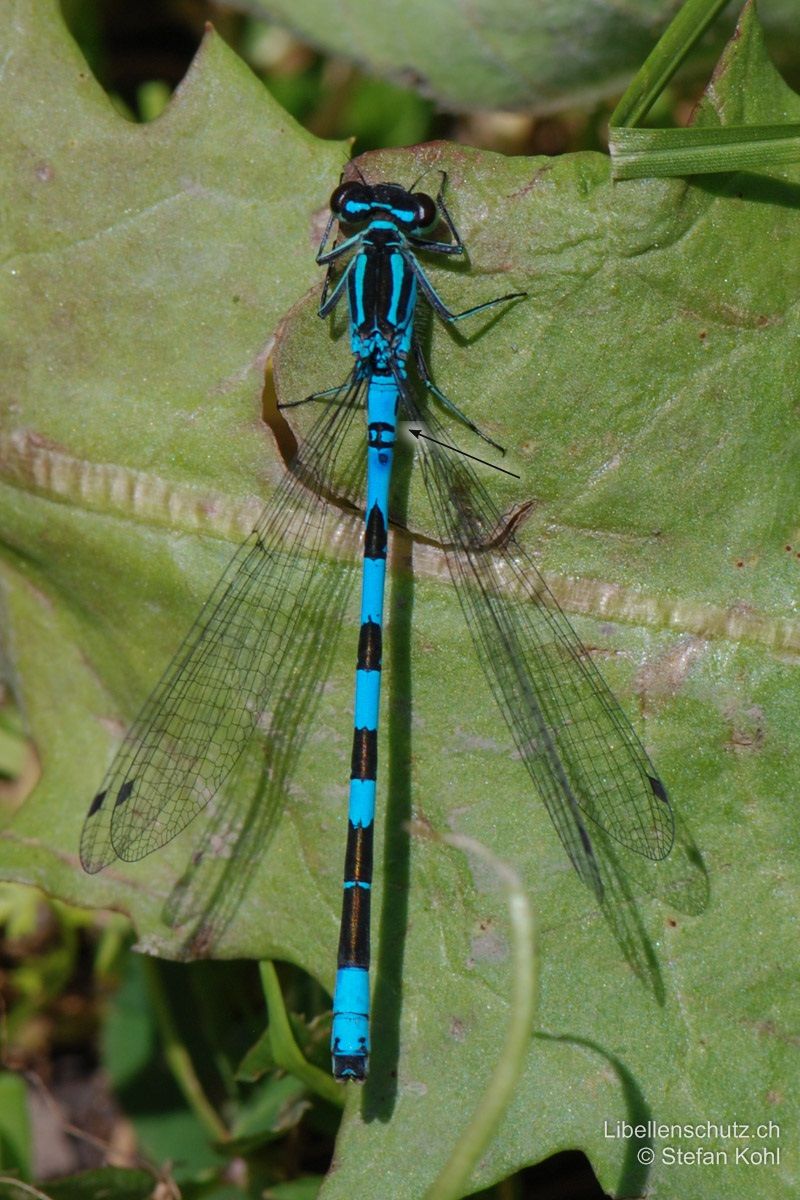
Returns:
point(580, 750)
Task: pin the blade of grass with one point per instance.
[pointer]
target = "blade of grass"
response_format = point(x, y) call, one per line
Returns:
point(662, 153)
point(689, 24)
point(637, 153)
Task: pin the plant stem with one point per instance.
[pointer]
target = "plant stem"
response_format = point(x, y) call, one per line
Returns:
point(285, 1051)
point(178, 1058)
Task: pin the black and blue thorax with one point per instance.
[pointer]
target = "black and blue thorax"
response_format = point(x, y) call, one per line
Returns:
point(382, 293)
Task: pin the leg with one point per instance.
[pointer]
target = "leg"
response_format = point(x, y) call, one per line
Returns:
point(350, 387)
point(325, 236)
point(424, 375)
point(435, 247)
point(339, 249)
point(334, 391)
point(328, 303)
point(439, 306)
point(454, 247)
point(325, 285)
point(335, 250)
point(448, 220)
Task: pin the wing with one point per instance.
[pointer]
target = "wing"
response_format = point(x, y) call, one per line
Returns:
point(578, 746)
point(218, 687)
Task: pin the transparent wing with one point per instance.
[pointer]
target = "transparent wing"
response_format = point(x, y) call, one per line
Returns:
point(577, 744)
point(218, 687)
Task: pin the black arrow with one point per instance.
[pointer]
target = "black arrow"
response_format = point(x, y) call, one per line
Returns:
point(417, 433)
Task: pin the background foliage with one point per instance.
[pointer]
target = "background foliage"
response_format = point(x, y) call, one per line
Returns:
point(647, 393)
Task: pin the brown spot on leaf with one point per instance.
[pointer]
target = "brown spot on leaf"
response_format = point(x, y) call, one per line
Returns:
point(665, 675)
point(748, 731)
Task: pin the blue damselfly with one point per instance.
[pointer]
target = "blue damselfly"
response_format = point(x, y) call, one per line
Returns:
point(581, 752)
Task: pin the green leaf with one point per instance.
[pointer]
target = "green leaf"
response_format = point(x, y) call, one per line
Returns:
point(646, 390)
point(15, 1126)
point(274, 1107)
point(306, 1188)
point(147, 268)
point(130, 1033)
point(508, 54)
point(134, 1056)
point(12, 743)
point(118, 1182)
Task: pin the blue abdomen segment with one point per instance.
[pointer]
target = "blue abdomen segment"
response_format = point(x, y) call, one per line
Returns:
point(350, 1039)
point(350, 1033)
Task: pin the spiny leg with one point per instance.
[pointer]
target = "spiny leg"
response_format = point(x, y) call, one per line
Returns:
point(439, 306)
point(350, 387)
point(424, 375)
point(328, 303)
point(433, 244)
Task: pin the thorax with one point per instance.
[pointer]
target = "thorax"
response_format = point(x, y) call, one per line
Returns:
point(382, 292)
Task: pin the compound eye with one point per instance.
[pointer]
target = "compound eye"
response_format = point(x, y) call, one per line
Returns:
point(427, 212)
point(351, 202)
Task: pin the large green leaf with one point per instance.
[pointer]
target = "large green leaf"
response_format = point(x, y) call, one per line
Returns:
point(508, 54)
point(647, 393)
